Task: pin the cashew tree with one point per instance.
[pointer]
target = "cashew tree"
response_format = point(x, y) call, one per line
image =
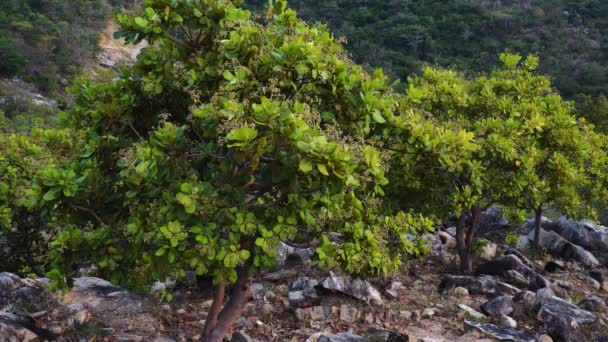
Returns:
point(228, 135)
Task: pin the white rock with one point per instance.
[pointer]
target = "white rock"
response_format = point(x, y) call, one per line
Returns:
point(507, 322)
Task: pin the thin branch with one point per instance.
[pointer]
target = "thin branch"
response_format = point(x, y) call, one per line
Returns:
point(77, 207)
point(133, 128)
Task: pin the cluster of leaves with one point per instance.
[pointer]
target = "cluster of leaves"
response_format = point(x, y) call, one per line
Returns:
point(227, 136)
point(24, 236)
point(402, 36)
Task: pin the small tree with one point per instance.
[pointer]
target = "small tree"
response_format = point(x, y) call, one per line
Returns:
point(227, 136)
point(498, 139)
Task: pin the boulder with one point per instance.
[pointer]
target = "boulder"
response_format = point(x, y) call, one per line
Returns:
point(516, 279)
point(486, 285)
point(392, 290)
point(562, 328)
point(472, 312)
point(501, 333)
point(593, 304)
point(555, 306)
point(488, 251)
point(448, 240)
point(566, 250)
point(356, 288)
point(499, 306)
point(525, 298)
point(583, 233)
point(504, 263)
point(12, 331)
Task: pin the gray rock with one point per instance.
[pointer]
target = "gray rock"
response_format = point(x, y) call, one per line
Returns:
point(544, 294)
point(437, 250)
point(499, 306)
point(593, 304)
point(501, 333)
point(448, 240)
point(341, 337)
point(564, 249)
point(392, 290)
point(356, 288)
point(583, 233)
point(289, 255)
point(488, 251)
point(240, 336)
point(11, 331)
point(472, 312)
point(511, 262)
point(525, 298)
point(486, 285)
point(382, 335)
point(515, 278)
point(461, 292)
point(303, 298)
point(555, 306)
point(507, 322)
point(562, 328)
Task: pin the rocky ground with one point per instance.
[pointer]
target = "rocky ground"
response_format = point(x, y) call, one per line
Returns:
point(514, 295)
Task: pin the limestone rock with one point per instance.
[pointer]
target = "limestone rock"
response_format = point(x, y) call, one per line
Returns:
point(593, 304)
point(472, 312)
point(341, 337)
point(504, 263)
point(356, 288)
point(461, 292)
point(485, 285)
point(501, 333)
point(562, 328)
point(555, 306)
point(499, 306)
point(488, 251)
point(507, 322)
point(564, 249)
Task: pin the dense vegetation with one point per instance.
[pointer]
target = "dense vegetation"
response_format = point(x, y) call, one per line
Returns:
point(403, 36)
point(234, 132)
point(45, 41)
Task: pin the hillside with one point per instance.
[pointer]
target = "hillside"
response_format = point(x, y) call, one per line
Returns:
point(401, 36)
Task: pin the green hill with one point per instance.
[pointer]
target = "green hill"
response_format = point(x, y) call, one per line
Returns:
point(403, 35)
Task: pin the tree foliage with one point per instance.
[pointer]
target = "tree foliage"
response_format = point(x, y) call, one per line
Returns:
point(227, 136)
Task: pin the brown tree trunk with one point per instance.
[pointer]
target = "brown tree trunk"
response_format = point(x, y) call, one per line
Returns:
point(538, 221)
point(231, 311)
point(216, 307)
point(461, 245)
point(471, 233)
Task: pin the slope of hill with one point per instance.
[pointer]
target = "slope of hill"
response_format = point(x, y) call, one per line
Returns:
point(403, 35)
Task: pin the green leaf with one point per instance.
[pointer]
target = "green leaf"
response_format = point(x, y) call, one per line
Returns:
point(243, 134)
point(378, 117)
point(51, 194)
point(305, 165)
point(302, 69)
point(323, 169)
point(244, 254)
point(141, 22)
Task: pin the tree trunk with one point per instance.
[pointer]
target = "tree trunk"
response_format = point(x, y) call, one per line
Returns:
point(218, 322)
point(461, 245)
point(216, 307)
point(538, 221)
point(471, 234)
